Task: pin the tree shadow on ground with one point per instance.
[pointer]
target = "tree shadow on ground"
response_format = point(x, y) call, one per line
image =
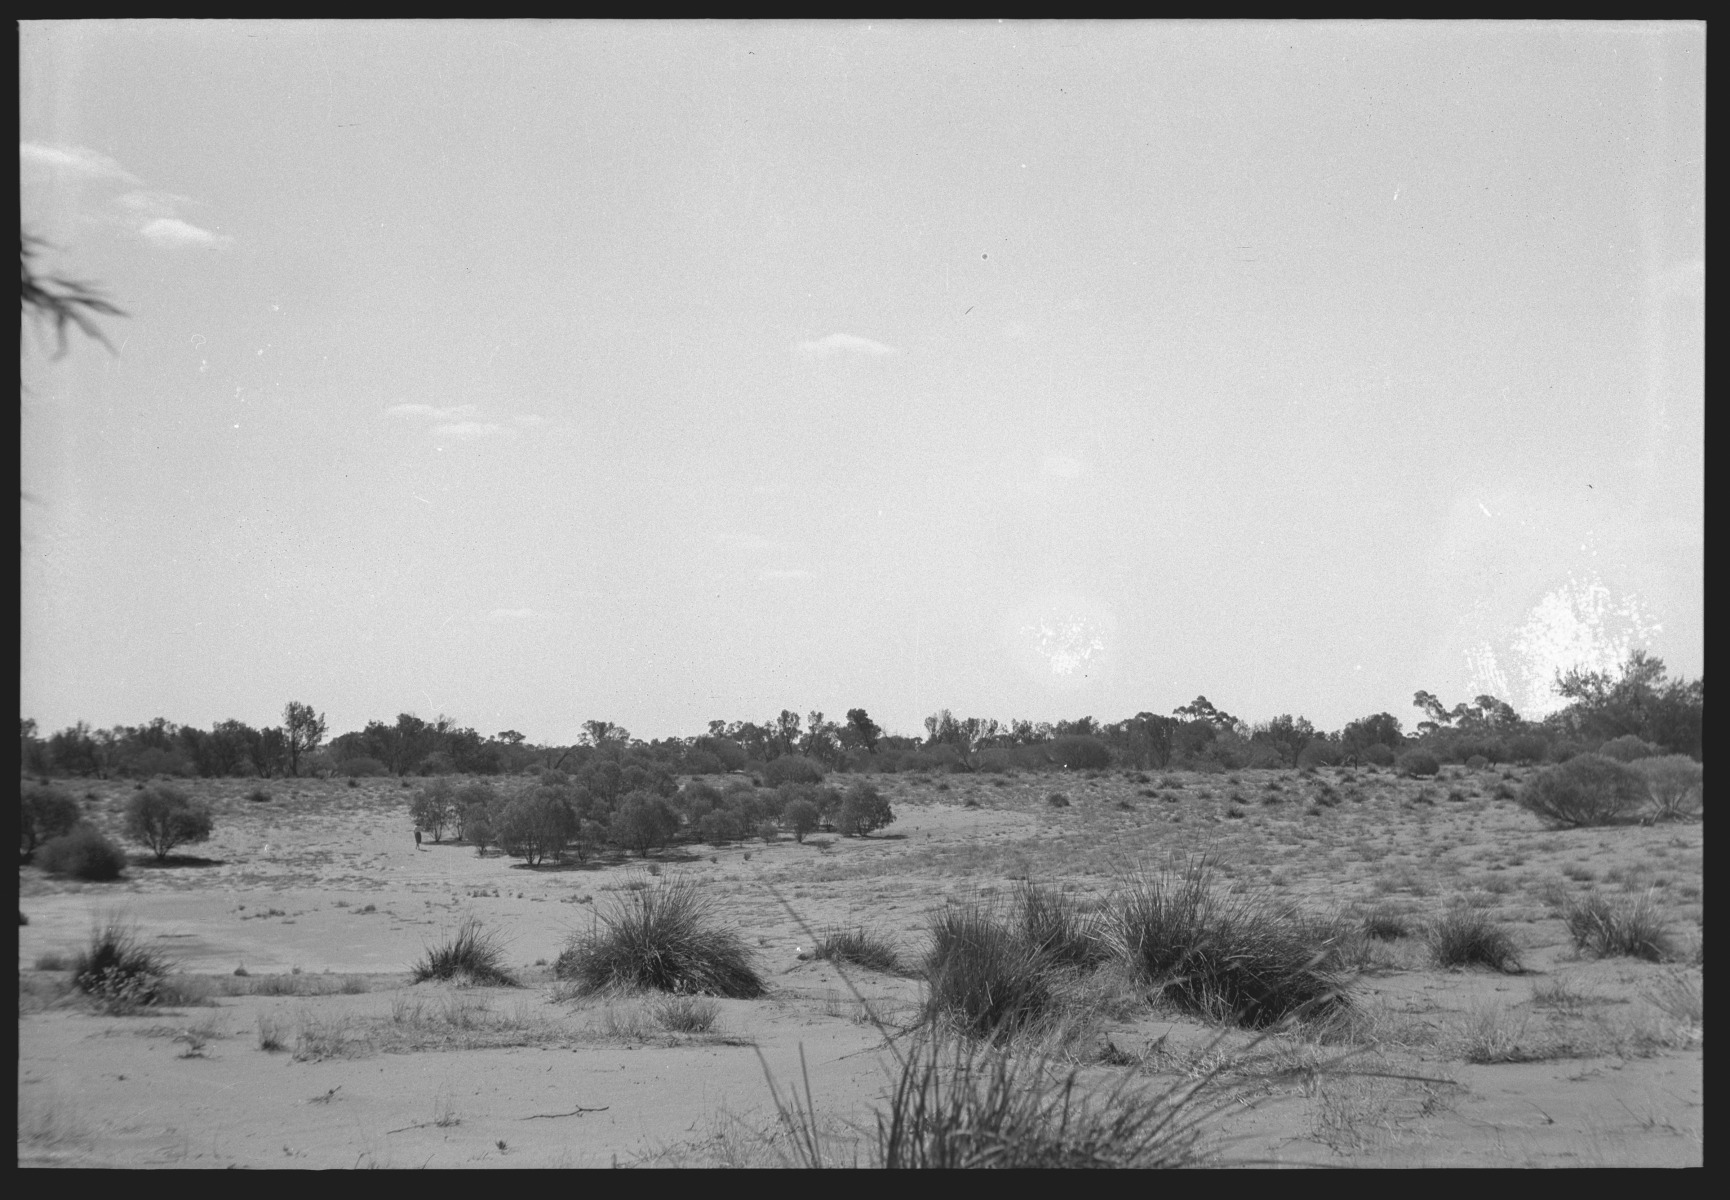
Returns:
point(173, 860)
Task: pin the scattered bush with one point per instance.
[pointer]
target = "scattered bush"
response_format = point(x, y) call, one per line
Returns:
point(473, 954)
point(162, 817)
point(1378, 755)
point(1419, 764)
point(867, 950)
point(1627, 748)
point(792, 768)
point(1080, 752)
point(363, 768)
point(1057, 800)
point(82, 854)
point(1586, 790)
point(46, 812)
point(536, 825)
point(665, 937)
point(982, 979)
point(863, 809)
point(1676, 783)
point(258, 795)
point(117, 972)
point(433, 807)
point(802, 818)
point(1634, 928)
point(1465, 937)
point(1238, 958)
point(720, 826)
point(644, 822)
point(1527, 748)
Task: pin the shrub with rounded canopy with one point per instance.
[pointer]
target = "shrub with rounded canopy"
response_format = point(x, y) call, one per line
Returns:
point(802, 817)
point(1420, 763)
point(1677, 784)
point(1588, 789)
point(536, 825)
point(434, 807)
point(45, 812)
point(1378, 755)
point(82, 853)
point(163, 817)
point(1527, 748)
point(863, 809)
point(644, 822)
point(1627, 748)
point(792, 768)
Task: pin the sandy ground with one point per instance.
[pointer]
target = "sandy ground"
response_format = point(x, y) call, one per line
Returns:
point(322, 894)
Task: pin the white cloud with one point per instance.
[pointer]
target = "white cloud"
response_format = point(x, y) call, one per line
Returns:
point(1017, 330)
point(838, 343)
point(172, 231)
point(781, 574)
point(747, 542)
point(467, 429)
point(431, 413)
point(75, 159)
point(1059, 466)
point(499, 616)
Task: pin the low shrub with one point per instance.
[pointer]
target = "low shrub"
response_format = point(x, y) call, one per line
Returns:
point(1586, 790)
point(1378, 755)
point(116, 971)
point(1627, 748)
point(802, 817)
point(473, 954)
point(1465, 937)
point(665, 937)
point(1236, 958)
point(46, 812)
point(867, 950)
point(982, 979)
point(1057, 800)
point(863, 809)
point(1633, 928)
point(163, 817)
point(363, 768)
point(1677, 785)
point(258, 795)
point(1527, 748)
point(82, 854)
point(1419, 764)
point(792, 768)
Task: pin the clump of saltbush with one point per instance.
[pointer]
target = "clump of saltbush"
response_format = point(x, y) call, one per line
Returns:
point(474, 954)
point(116, 971)
point(83, 854)
point(1633, 928)
point(863, 809)
point(1237, 958)
point(45, 812)
point(1627, 748)
point(1465, 937)
point(665, 937)
point(1588, 789)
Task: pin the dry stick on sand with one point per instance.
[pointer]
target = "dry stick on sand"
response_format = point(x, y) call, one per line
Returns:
point(573, 1113)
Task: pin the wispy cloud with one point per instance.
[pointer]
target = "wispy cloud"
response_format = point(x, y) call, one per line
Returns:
point(73, 159)
point(467, 429)
point(783, 574)
point(153, 215)
point(429, 412)
point(172, 231)
point(842, 343)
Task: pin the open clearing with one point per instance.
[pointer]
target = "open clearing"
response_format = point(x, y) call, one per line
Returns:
point(323, 1054)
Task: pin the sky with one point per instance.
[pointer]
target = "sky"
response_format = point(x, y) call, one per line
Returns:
point(660, 373)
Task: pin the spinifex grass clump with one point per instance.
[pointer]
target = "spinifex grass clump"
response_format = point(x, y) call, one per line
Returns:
point(665, 937)
point(956, 1105)
point(474, 954)
point(117, 972)
point(857, 946)
point(983, 978)
point(1634, 928)
point(1240, 958)
point(1054, 926)
point(1465, 937)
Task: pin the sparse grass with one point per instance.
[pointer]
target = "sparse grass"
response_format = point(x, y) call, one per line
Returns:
point(1633, 927)
point(868, 950)
point(1680, 995)
point(272, 1037)
point(685, 1014)
point(1465, 937)
point(1385, 924)
point(1490, 1034)
point(115, 971)
point(474, 954)
point(318, 1038)
point(667, 938)
point(1238, 958)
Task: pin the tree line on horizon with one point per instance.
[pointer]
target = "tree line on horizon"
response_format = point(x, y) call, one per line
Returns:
point(1639, 701)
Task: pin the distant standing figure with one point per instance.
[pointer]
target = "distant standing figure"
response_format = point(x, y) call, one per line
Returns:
point(417, 839)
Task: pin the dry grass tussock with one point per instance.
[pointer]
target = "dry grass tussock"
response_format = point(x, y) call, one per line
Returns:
point(666, 937)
